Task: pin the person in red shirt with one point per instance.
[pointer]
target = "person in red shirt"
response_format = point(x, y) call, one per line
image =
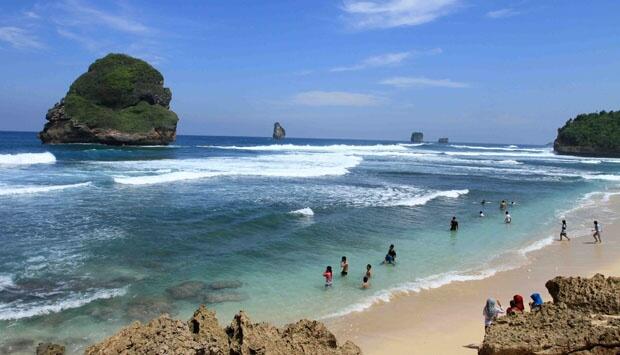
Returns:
point(328, 274)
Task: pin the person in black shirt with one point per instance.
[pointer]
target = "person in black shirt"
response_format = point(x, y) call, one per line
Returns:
point(454, 224)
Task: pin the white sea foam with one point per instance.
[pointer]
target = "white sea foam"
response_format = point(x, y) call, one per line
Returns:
point(284, 166)
point(18, 310)
point(537, 245)
point(425, 198)
point(427, 283)
point(19, 190)
point(27, 158)
point(307, 212)
point(510, 148)
point(6, 281)
point(605, 177)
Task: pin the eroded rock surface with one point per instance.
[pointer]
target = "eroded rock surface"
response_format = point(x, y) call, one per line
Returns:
point(584, 319)
point(203, 335)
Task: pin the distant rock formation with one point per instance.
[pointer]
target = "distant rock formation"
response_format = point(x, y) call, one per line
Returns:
point(593, 134)
point(278, 131)
point(203, 335)
point(120, 100)
point(417, 137)
point(584, 318)
point(442, 140)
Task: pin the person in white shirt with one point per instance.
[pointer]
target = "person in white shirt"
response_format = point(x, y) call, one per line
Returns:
point(491, 311)
point(508, 218)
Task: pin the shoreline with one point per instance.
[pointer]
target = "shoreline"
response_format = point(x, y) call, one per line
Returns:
point(448, 319)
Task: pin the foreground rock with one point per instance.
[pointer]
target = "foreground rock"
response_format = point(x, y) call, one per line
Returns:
point(593, 134)
point(203, 335)
point(120, 100)
point(584, 319)
point(278, 131)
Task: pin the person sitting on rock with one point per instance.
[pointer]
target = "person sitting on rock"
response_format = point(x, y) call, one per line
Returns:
point(537, 302)
point(491, 311)
point(512, 309)
point(518, 299)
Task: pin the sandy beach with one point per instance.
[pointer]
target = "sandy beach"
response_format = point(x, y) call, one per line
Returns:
point(447, 320)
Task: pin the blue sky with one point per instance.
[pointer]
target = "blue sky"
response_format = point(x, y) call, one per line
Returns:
point(474, 71)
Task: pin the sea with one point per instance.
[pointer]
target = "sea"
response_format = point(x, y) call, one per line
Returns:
point(93, 237)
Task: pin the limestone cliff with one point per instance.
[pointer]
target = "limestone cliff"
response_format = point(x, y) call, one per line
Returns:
point(584, 318)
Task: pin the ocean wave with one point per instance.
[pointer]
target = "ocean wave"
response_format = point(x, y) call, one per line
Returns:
point(19, 310)
point(604, 177)
point(335, 148)
point(510, 148)
point(27, 158)
point(425, 198)
point(537, 245)
point(308, 212)
point(427, 283)
point(6, 281)
point(282, 166)
point(19, 190)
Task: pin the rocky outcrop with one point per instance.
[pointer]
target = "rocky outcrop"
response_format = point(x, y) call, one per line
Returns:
point(278, 131)
point(203, 335)
point(583, 319)
point(592, 134)
point(417, 137)
point(442, 140)
point(50, 349)
point(120, 100)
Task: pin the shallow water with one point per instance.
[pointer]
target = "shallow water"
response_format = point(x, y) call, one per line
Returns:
point(94, 237)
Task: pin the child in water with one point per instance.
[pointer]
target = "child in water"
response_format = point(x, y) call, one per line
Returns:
point(454, 224)
point(365, 283)
point(328, 276)
point(344, 265)
point(368, 272)
point(508, 218)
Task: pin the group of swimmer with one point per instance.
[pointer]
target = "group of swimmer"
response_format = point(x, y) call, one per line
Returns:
point(390, 258)
point(493, 309)
point(503, 205)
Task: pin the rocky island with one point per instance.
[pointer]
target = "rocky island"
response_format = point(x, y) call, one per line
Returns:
point(593, 134)
point(417, 137)
point(278, 131)
point(120, 100)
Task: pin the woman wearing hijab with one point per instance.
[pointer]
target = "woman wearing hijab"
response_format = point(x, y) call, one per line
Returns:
point(491, 310)
point(519, 306)
point(537, 302)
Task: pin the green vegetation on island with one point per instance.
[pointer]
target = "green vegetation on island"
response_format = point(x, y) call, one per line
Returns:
point(119, 100)
point(595, 134)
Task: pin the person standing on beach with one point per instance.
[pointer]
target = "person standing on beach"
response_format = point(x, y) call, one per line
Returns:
point(328, 276)
point(490, 312)
point(508, 218)
point(563, 231)
point(597, 232)
point(344, 265)
point(454, 224)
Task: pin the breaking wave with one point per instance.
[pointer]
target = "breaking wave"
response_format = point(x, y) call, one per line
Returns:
point(19, 190)
point(308, 212)
point(27, 158)
point(284, 166)
point(18, 309)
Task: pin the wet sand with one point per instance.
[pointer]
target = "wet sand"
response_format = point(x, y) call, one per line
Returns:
point(446, 320)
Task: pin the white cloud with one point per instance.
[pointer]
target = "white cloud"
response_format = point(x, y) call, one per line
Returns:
point(335, 98)
point(19, 38)
point(396, 13)
point(501, 13)
point(405, 81)
point(384, 60)
point(78, 13)
point(31, 15)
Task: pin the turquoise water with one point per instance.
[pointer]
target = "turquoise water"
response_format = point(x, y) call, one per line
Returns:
point(94, 236)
